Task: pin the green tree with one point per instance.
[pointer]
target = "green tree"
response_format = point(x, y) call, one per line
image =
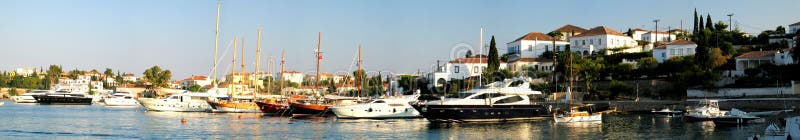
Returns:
point(157, 77)
point(74, 74)
point(589, 70)
point(716, 58)
point(494, 60)
point(195, 88)
point(647, 66)
point(780, 30)
point(700, 25)
point(694, 30)
point(12, 91)
point(108, 72)
point(469, 54)
point(618, 87)
point(331, 86)
point(709, 22)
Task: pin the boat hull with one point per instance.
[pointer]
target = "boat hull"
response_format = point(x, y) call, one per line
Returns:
point(120, 102)
point(590, 118)
point(62, 100)
point(229, 107)
point(271, 108)
point(668, 114)
point(477, 113)
point(23, 99)
point(732, 120)
point(302, 110)
point(364, 112)
point(171, 105)
point(690, 118)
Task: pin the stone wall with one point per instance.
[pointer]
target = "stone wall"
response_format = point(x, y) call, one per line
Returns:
point(739, 92)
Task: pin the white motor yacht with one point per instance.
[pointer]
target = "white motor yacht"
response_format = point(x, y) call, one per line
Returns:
point(28, 97)
point(184, 102)
point(120, 99)
point(398, 107)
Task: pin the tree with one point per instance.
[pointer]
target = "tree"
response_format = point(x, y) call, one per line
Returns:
point(709, 22)
point(619, 87)
point(74, 74)
point(331, 86)
point(195, 88)
point(647, 66)
point(695, 29)
point(12, 91)
point(494, 60)
point(469, 54)
point(589, 70)
point(108, 72)
point(54, 73)
point(157, 77)
point(700, 25)
point(780, 30)
point(716, 58)
point(629, 33)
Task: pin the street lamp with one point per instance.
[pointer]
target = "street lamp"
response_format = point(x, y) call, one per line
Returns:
point(730, 27)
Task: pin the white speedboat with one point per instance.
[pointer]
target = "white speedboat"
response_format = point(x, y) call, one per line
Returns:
point(185, 102)
point(120, 99)
point(666, 112)
point(704, 111)
point(379, 109)
point(28, 97)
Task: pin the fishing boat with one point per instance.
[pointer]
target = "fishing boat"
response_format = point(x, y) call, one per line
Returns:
point(704, 111)
point(28, 97)
point(574, 114)
point(64, 98)
point(120, 99)
point(184, 102)
point(734, 117)
point(666, 112)
point(506, 100)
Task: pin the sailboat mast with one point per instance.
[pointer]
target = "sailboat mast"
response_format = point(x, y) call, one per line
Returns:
point(358, 72)
point(283, 64)
point(570, 79)
point(216, 45)
point(242, 82)
point(480, 60)
point(272, 77)
point(258, 61)
point(319, 59)
point(233, 69)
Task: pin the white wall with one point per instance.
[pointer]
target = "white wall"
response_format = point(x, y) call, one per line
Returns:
point(533, 48)
point(738, 92)
point(599, 42)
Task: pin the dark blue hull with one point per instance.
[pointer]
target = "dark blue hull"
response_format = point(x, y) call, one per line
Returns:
point(478, 113)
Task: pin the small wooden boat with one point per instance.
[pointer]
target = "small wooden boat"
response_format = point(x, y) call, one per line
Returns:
point(226, 106)
point(306, 109)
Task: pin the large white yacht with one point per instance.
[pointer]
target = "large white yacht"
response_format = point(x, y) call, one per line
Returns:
point(184, 102)
point(499, 101)
point(395, 107)
point(120, 99)
point(28, 97)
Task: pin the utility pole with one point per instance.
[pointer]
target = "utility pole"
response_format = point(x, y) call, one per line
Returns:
point(656, 38)
point(730, 22)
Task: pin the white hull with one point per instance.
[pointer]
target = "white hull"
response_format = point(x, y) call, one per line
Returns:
point(356, 112)
point(120, 102)
point(174, 105)
point(221, 109)
point(23, 99)
point(590, 118)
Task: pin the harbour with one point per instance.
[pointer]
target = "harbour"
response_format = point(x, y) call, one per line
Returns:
point(29, 121)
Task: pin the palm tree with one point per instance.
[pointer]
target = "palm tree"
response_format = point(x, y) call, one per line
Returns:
point(555, 35)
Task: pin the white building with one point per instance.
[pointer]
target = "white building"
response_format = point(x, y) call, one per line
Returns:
point(80, 84)
point(653, 36)
point(461, 68)
point(793, 28)
point(602, 39)
point(293, 76)
point(755, 59)
point(195, 80)
point(637, 33)
point(129, 78)
point(533, 63)
point(25, 72)
point(532, 45)
point(673, 49)
point(567, 31)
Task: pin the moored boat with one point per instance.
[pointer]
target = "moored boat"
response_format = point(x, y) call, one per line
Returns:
point(734, 117)
point(704, 111)
point(228, 106)
point(186, 102)
point(309, 108)
point(62, 98)
point(379, 109)
point(666, 112)
point(120, 99)
point(28, 97)
point(500, 101)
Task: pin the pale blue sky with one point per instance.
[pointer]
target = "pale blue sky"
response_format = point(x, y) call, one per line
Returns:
point(398, 36)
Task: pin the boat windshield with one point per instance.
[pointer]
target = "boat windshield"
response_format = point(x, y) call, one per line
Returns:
point(379, 101)
point(460, 95)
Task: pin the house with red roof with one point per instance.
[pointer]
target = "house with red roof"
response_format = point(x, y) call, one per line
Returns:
point(567, 31)
point(604, 40)
point(195, 80)
point(461, 68)
point(672, 49)
point(755, 59)
point(532, 45)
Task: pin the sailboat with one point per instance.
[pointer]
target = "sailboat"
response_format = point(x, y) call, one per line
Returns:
point(275, 105)
point(312, 106)
point(234, 105)
point(573, 114)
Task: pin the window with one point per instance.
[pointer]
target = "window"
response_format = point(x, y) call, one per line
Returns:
point(547, 47)
point(584, 42)
point(530, 48)
point(591, 41)
point(689, 51)
point(456, 69)
point(460, 95)
point(379, 101)
point(599, 42)
point(509, 100)
point(475, 69)
point(487, 95)
point(664, 54)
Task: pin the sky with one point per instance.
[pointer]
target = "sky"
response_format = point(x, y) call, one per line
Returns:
point(397, 36)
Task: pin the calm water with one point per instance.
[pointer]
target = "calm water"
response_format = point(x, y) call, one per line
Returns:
point(31, 121)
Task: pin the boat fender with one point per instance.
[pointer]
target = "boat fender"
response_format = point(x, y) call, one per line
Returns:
point(183, 120)
point(394, 110)
point(369, 110)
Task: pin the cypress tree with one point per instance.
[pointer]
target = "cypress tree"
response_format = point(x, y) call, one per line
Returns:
point(709, 23)
point(700, 25)
point(494, 62)
point(694, 30)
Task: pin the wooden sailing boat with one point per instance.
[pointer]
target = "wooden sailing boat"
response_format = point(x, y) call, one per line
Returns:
point(313, 106)
point(573, 114)
point(234, 105)
point(272, 105)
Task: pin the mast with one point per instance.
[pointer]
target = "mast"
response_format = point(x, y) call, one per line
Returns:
point(242, 82)
point(283, 64)
point(269, 69)
point(358, 72)
point(480, 60)
point(258, 61)
point(216, 45)
point(319, 59)
point(233, 69)
point(569, 90)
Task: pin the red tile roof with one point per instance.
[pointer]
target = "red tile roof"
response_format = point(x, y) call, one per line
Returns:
point(680, 42)
point(757, 54)
point(661, 47)
point(470, 60)
point(291, 71)
point(196, 78)
point(600, 30)
point(640, 29)
point(525, 59)
point(535, 36)
point(570, 28)
point(657, 32)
